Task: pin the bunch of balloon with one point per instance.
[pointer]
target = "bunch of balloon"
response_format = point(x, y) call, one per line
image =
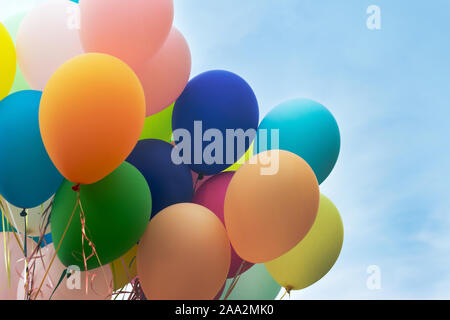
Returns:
point(91, 116)
point(145, 178)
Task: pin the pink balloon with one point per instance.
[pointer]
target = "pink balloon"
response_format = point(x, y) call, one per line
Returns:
point(165, 76)
point(211, 195)
point(47, 37)
point(132, 30)
point(11, 290)
point(100, 282)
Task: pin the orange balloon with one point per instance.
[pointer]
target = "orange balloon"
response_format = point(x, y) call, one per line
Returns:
point(91, 116)
point(269, 211)
point(184, 254)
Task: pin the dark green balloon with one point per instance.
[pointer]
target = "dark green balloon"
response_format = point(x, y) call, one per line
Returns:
point(117, 211)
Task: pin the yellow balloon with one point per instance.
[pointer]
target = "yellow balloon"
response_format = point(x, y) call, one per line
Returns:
point(159, 126)
point(124, 269)
point(7, 62)
point(242, 160)
point(315, 255)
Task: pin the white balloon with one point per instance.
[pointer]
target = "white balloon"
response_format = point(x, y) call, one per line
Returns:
point(47, 38)
point(35, 218)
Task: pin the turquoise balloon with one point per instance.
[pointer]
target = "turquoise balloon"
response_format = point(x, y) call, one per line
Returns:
point(254, 284)
point(28, 177)
point(307, 129)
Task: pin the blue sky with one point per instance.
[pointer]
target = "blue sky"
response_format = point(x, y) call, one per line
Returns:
point(390, 93)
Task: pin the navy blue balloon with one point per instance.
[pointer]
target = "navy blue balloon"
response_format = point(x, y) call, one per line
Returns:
point(28, 177)
point(220, 100)
point(169, 183)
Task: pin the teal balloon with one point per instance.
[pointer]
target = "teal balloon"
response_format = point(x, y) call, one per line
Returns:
point(28, 177)
point(254, 284)
point(307, 129)
point(117, 211)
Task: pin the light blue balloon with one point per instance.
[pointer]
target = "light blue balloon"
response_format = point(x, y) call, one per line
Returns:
point(27, 175)
point(307, 129)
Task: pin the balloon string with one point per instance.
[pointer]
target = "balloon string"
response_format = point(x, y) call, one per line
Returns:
point(91, 244)
point(24, 215)
point(59, 245)
point(25, 252)
point(288, 292)
point(11, 218)
point(83, 237)
point(5, 209)
point(45, 219)
point(236, 278)
point(126, 269)
point(5, 247)
point(34, 255)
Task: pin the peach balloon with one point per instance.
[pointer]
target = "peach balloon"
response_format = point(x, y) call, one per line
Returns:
point(47, 37)
point(268, 212)
point(91, 116)
point(165, 76)
point(11, 290)
point(100, 282)
point(132, 30)
point(183, 255)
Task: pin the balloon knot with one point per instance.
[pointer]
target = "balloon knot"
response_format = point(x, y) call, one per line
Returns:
point(23, 213)
point(76, 188)
point(201, 176)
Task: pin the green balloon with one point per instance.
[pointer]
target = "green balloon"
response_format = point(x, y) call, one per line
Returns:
point(12, 24)
point(159, 126)
point(254, 284)
point(117, 210)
